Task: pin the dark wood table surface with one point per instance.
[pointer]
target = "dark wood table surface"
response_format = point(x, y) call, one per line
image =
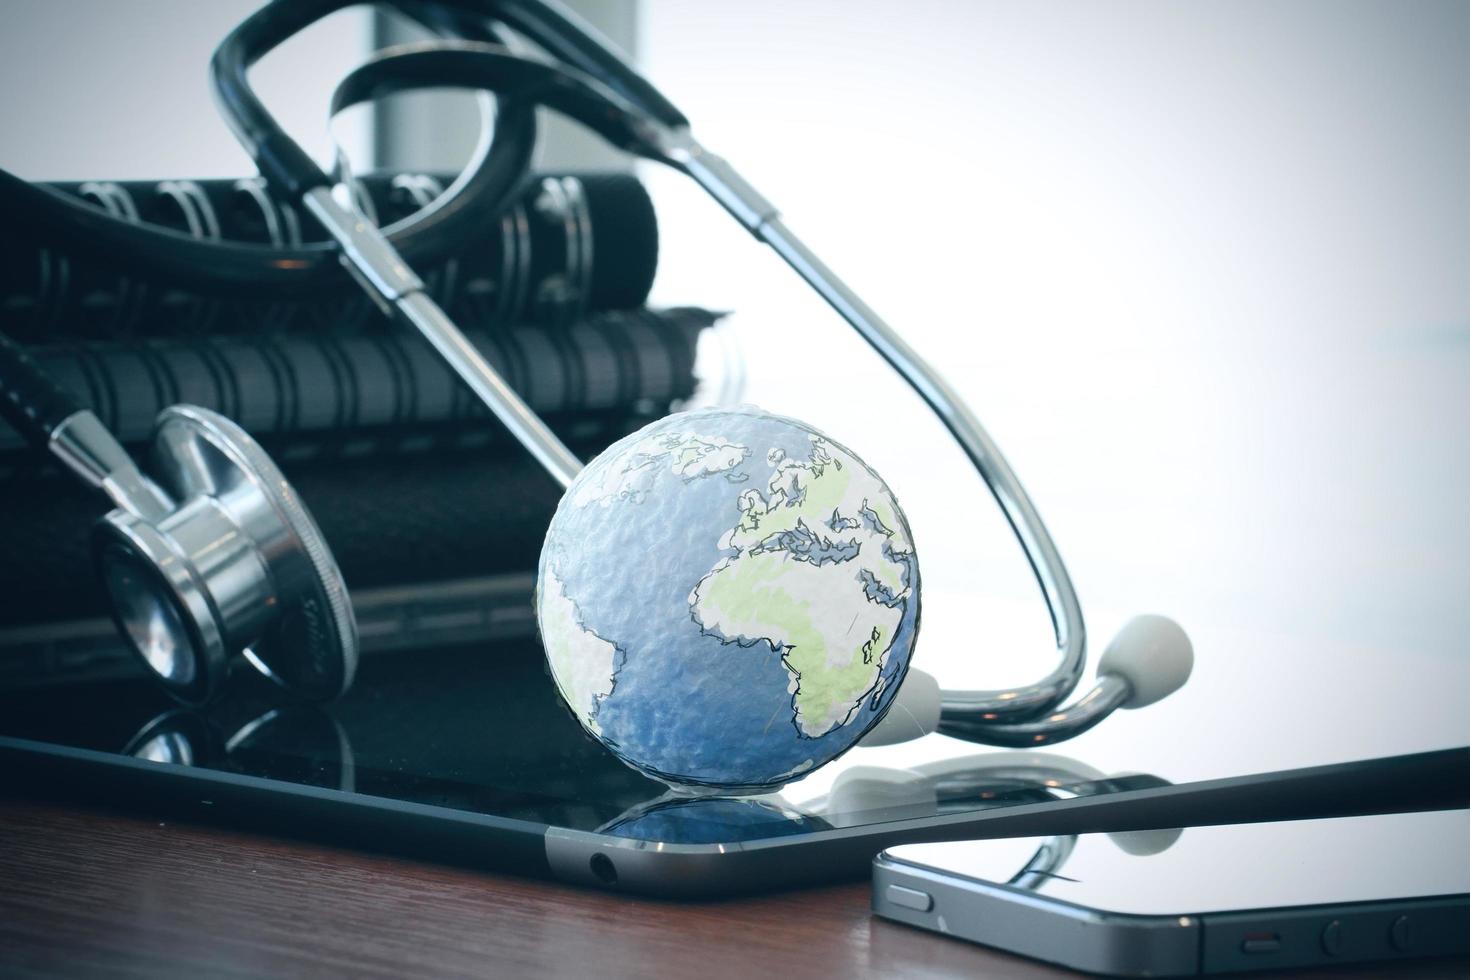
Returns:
point(87, 892)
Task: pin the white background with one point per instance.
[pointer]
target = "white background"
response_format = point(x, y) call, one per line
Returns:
point(119, 90)
point(1204, 271)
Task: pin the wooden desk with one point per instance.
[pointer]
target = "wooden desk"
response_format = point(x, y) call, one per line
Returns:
point(88, 892)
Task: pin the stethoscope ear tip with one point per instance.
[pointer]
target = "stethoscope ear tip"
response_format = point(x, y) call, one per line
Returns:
point(1153, 655)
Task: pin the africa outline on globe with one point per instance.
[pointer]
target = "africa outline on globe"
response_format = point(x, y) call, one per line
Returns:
point(728, 598)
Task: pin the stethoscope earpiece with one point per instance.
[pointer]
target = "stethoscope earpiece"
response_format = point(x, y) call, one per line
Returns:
point(234, 564)
point(1153, 654)
point(1149, 659)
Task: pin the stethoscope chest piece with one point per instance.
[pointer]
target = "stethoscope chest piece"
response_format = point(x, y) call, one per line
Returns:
point(237, 565)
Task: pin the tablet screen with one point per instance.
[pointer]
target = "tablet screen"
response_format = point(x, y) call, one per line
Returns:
point(473, 724)
point(453, 706)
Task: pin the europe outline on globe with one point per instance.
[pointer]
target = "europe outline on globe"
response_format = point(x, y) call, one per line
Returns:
point(728, 598)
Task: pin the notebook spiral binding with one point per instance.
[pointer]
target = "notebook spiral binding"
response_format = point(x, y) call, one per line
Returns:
point(308, 390)
point(539, 262)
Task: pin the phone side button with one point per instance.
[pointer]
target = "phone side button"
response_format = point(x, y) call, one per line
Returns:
point(909, 898)
point(1332, 938)
point(1400, 934)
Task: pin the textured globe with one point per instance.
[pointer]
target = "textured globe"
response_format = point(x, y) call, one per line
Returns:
point(728, 598)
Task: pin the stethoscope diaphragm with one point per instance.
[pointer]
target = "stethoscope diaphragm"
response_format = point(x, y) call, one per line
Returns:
point(238, 566)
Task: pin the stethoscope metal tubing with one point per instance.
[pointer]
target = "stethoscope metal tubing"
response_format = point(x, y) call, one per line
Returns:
point(384, 275)
point(961, 709)
point(1057, 725)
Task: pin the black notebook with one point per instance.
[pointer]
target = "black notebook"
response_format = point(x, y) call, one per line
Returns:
point(569, 246)
point(326, 388)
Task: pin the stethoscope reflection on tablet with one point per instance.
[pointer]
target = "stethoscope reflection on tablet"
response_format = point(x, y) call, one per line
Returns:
point(863, 795)
point(187, 603)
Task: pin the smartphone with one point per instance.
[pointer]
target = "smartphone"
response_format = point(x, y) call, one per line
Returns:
point(1200, 900)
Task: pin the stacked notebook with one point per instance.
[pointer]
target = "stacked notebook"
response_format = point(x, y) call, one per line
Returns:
point(409, 477)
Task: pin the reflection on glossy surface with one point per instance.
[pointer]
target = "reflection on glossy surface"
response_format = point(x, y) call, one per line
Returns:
point(177, 737)
point(480, 728)
point(189, 737)
point(444, 726)
point(1051, 854)
point(1046, 863)
point(448, 726)
point(871, 794)
point(166, 747)
point(1212, 869)
point(971, 782)
point(681, 819)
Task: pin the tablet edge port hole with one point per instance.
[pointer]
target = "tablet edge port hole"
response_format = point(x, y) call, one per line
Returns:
point(603, 869)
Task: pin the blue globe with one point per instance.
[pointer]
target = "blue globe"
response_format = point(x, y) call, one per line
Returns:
point(728, 599)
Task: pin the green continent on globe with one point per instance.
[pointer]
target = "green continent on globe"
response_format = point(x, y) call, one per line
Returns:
point(820, 574)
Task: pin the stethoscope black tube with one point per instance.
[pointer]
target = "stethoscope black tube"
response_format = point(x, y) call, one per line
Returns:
point(474, 65)
point(33, 404)
point(282, 161)
point(430, 235)
point(289, 168)
point(559, 33)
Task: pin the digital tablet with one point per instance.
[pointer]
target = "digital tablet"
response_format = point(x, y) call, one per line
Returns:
point(453, 745)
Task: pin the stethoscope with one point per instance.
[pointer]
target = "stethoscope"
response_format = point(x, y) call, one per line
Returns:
point(216, 555)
